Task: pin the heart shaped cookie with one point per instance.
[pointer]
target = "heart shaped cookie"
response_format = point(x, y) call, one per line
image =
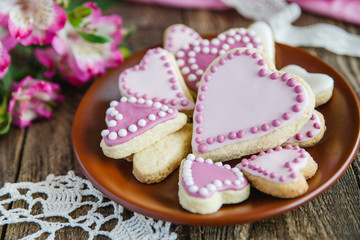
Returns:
point(321, 84)
point(311, 133)
point(177, 35)
point(204, 186)
point(280, 172)
point(245, 105)
point(194, 58)
point(134, 124)
point(157, 77)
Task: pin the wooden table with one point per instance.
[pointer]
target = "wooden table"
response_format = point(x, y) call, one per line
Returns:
point(32, 154)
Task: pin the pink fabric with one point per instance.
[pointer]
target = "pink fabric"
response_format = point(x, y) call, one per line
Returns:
point(346, 10)
point(209, 4)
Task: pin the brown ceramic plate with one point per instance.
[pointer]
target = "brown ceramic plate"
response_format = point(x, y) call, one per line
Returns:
point(114, 177)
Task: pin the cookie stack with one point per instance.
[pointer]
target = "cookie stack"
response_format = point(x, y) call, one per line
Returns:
point(245, 108)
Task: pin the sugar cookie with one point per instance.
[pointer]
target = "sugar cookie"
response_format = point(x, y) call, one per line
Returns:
point(177, 35)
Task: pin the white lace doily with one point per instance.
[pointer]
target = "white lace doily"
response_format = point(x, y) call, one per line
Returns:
point(64, 195)
point(280, 16)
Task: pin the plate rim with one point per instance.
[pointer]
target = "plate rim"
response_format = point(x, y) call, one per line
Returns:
point(230, 220)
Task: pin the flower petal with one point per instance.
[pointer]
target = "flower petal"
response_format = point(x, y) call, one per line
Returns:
point(20, 22)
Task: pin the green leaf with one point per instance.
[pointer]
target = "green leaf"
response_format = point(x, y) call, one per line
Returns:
point(94, 38)
point(129, 31)
point(125, 51)
point(5, 122)
point(77, 15)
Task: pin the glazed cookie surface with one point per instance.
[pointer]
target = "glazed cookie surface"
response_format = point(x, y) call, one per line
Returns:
point(321, 84)
point(156, 162)
point(280, 172)
point(134, 124)
point(245, 106)
point(205, 186)
point(311, 133)
point(177, 35)
point(195, 57)
point(158, 78)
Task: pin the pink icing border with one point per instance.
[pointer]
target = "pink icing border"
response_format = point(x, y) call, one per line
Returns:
point(234, 178)
point(310, 130)
point(175, 29)
point(132, 117)
point(234, 136)
point(179, 101)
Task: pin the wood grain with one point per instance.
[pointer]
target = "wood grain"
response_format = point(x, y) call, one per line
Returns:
point(34, 153)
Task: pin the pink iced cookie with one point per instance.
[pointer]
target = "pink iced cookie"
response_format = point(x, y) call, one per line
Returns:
point(135, 123)
point(280, 172)
point(195, 57)
point(157, 77)
point(177, 35)
point(311, 133)
point(245, 105)
point(204, 186)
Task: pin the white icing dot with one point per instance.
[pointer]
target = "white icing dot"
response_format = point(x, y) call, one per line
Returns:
point(251, 32)
point(215, 41)
point(191, 54)
point(185, 70)
point(222, 51)
point(157, 105)
point(237, 182)
point(142, 122)
point(112, 136)
point(222, 36)
point(227, 166)
point(186, 173)
point(194, 66)
point(197, 49)
point(104, 133)
point(170, 110)
point(209, 161)
point(237, 37)
point(199, 72)
point(200, 159)
point(205, 42)
point(114, 103)
point(260, 47)
point(249, 45)
point(232, 32)
point(122, 132)
point(109, 110)
point(242, 30)
point(211, 187)
point(164, 108)
point(257, 40)
point(193, 189)
point(239, 174)
point(227, 182)
point(219, 164)
point(180, 62)
point(132, 99)
point(149, 102)
point(123, 99)
point(132, 128)
point(162, 114)
point(203, 191)
point(198, 84)
point(226, 46)
point(119, 117)
point(231, 41)
point(218, 183)
point(113, 113)
point(206, 50)
point(152, 117)
point(246, 39)
point(235, 170)
point(214, 50)
point(112, 123)
point(180, 54)
point(141, 100)
point(191, 60)
point(189, 181)
point(187, 164)
point(191, 157)
point(186, 46)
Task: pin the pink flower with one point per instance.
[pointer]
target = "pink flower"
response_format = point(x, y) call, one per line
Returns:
point(80, 60)
point(4, 60)
point(32, 21)
point(6, 39)
point(32, 99)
